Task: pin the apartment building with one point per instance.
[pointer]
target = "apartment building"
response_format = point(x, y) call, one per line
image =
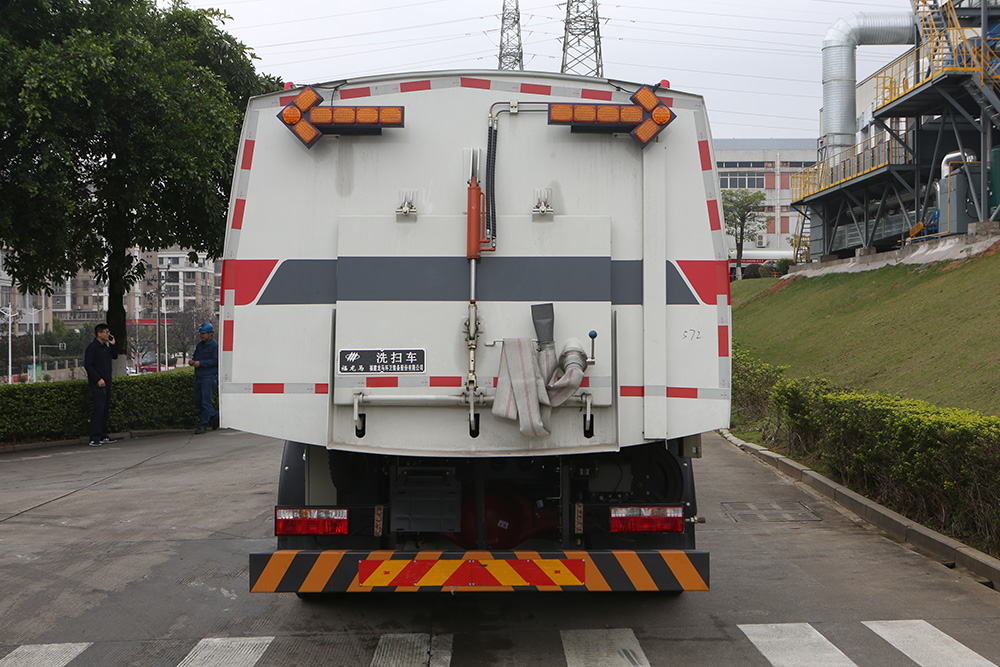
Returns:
point(173, 283)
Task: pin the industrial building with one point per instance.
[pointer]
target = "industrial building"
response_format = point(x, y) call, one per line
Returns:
point(904, 154)
point(768, 165)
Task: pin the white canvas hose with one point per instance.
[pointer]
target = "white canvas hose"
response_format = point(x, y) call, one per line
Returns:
point(530, 383)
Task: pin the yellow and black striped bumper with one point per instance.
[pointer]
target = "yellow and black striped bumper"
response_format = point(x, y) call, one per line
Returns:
point(388, 571)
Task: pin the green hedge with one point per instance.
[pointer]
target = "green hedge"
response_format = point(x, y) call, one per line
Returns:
point(937, 466)
point(61, 410)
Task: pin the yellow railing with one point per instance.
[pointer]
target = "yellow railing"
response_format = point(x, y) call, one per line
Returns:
point(878, 151)
point(948, 49)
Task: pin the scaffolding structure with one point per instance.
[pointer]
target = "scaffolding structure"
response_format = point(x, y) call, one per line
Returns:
point(922, 169)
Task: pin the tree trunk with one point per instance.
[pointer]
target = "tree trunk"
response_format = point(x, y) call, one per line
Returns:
point(117, 266)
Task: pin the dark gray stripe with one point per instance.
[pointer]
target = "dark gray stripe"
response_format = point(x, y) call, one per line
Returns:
point(626, 282)
point(403, 279)
point(299, 281)
point(544, 279)
point(324, 281)
point(678, 293)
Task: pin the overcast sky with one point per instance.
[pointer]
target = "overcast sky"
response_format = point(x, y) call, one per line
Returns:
point(756, 62)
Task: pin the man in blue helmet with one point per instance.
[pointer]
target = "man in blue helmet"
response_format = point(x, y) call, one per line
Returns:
point(206, 367)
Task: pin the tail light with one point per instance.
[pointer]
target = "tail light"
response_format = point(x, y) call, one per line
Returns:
point(310, 521)
point(647, 519)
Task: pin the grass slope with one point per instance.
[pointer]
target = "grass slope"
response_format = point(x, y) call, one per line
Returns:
point(930, 332)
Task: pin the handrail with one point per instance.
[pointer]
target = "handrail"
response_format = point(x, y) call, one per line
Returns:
point(952, 48)
point(877, 151)
point(949, 48)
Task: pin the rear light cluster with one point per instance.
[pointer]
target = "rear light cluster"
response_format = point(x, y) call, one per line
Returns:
point(654, 519)
point(310, 521)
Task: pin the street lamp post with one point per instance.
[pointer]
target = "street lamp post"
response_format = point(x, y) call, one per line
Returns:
point(34, 360)
point(9, 314)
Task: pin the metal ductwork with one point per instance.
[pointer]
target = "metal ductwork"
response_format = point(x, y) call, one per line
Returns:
point(840, 70)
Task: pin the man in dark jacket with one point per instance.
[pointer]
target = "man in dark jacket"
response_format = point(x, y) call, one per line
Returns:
point(97, 362)
point(206, 367)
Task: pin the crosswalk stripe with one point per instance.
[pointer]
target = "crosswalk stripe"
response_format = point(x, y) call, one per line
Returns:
point(42, 655)
point(412, 649)
point(794, 644)
point(227, 651)
point(609, 648)
point(925, 645)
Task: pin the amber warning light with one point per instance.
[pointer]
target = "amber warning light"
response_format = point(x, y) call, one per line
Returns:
point(643, 119)
point(308, 121)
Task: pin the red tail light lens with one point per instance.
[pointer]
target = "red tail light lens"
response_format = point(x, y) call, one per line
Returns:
point(658, 519)
point(310, 521)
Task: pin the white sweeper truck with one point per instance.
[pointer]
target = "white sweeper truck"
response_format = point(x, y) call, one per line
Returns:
point(488, 314)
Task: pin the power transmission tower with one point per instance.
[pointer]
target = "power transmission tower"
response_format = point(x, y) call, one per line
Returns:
point(511, 55)
point(582, 41)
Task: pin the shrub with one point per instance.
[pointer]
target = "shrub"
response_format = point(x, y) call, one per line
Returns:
point(60, 410)
point(934, 465)
point(753, 382)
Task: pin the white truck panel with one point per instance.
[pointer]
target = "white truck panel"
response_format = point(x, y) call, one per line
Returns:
point(313, 232)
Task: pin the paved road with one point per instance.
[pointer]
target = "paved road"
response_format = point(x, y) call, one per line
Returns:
point(136, 554)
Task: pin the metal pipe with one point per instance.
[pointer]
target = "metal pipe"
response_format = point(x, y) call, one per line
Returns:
point(420, 400)
point(840, 69)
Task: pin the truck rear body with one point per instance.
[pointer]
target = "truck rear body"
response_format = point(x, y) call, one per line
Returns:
point(489, 313)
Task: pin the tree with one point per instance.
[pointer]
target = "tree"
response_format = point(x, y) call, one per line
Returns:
point(744, 218)
point(184, 325)
point(119, 124)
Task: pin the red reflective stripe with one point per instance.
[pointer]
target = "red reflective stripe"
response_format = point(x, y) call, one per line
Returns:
point(596, 94)
point(246, 277)
point(714, 221)
point(247, 154)
point(585, 383)
point(535, 88)
point(413, 573)
point(238, 209)
point(468, 82)
point(667, 101)
point(530, 572)
point(382, 381)
point(632, 391)
point(227, 335)
point(268, 388)
point(351, 93)
point(445, 381)
point(723, 341)
point(706, 155)
point(322, 388)
point(285, 100)
point(710, 278)
point(462, 576)
point(682, 392)
point(410, 86)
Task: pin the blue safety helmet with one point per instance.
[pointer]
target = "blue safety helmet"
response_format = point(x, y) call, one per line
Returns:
point(206, 327)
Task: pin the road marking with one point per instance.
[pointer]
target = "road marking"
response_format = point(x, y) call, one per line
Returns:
point(412, 650)
point(42, 655)
point(609, 648)
point(794, 644)
point(227, 652)
point(925, 645)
